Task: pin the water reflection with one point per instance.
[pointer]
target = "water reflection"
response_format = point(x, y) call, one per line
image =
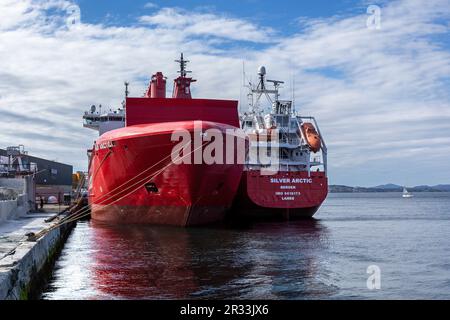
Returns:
point(265, 261)
point(161, 262)
point(291, 261)
point(324, 259)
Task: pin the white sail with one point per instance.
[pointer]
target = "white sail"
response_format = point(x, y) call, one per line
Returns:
point(406, 193)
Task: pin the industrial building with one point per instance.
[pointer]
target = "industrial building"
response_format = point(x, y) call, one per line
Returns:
point(51, 178)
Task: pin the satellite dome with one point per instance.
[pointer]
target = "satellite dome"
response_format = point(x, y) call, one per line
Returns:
point(262, 71)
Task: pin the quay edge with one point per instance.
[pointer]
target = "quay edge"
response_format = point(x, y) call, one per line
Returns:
point(24, 272)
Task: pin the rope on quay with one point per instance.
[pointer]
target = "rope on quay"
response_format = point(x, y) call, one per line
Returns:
point(85, 211)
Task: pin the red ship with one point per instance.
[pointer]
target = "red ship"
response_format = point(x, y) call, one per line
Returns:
point(293, 183)
point(132, 176)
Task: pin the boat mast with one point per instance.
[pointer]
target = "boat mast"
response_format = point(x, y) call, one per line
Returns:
point(126, 89)
point(182, 84)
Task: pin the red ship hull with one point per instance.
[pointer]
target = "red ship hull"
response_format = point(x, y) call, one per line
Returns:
point(284, 196)
point(134, 181)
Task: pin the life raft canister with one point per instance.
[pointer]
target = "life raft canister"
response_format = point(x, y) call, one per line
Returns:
point(312, 137)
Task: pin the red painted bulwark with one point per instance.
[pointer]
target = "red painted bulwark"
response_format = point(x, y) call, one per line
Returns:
point(145, 111)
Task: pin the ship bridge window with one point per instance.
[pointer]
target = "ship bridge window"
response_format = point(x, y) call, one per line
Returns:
point(248, 123)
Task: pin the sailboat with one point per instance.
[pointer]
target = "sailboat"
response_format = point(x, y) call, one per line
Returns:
point(406, 194)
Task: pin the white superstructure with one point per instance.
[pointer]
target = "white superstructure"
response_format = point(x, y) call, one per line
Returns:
point(104, 121)
point(295, 153)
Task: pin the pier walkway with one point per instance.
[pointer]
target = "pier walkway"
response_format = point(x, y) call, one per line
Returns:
point(23, 263)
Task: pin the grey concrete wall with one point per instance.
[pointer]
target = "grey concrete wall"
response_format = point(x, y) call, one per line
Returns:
point(13, 209)
point(8, 194)
point(16, 184)
point(8, 210)
point(24, 203)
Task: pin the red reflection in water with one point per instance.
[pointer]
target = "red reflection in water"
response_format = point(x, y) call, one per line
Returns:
point(142, 262)
point(267, 261)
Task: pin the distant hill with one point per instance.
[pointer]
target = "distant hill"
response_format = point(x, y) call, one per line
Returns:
point(442, 187)
point(341, 189)
point(388, 188)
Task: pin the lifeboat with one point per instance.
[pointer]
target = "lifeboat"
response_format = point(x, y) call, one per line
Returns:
point(312, 137)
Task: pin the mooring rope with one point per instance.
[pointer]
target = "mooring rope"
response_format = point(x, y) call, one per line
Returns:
point(101, 198)
point(83, 212)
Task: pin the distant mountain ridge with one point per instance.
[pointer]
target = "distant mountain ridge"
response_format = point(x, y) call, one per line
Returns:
point(389, 188)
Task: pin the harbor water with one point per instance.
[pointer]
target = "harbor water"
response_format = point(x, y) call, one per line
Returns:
point(406, 240)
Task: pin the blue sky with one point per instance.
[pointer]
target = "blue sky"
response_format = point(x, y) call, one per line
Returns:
point(381, 96)
point(282, 15)
point(275, 13)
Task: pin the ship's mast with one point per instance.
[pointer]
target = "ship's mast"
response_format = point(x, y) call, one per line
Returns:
point(183, 63)
point(127, 84)
point(182, 84)
point(276, 84)
point(262, 90)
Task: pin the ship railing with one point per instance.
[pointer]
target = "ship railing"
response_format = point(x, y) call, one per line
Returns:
point(294, 141)
point(274, 145)
point(283, 130)
point(281, 167)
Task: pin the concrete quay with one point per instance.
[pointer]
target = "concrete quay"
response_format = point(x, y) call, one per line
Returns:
point(25, 265)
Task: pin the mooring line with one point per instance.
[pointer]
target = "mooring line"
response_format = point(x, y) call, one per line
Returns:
point(83, 212)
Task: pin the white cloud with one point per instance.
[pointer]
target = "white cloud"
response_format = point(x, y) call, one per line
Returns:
point(381, 96)
point(208, 24)
point(150, 5)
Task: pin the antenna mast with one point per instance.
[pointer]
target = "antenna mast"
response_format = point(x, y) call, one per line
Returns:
point(183, 63)
point(293, 92)
point(182, 84)
point(126, 89)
